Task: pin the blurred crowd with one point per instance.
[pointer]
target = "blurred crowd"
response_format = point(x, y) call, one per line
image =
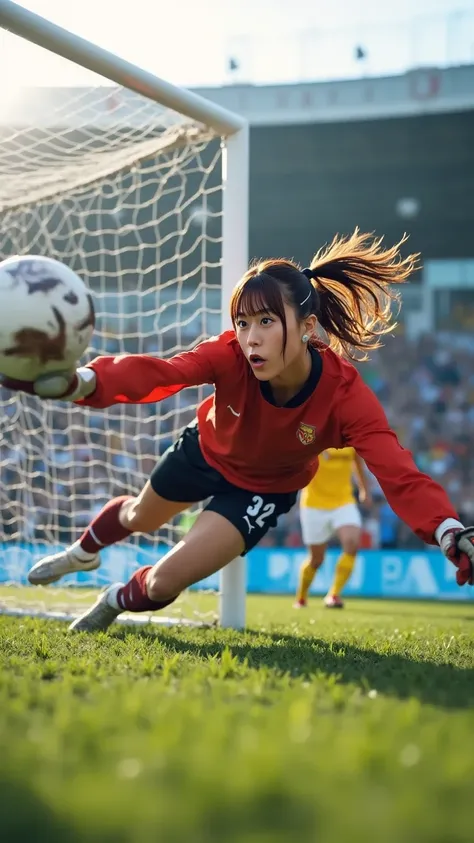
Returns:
point(75, 461)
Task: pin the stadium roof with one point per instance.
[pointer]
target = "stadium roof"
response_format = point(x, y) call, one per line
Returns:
point(421, 91)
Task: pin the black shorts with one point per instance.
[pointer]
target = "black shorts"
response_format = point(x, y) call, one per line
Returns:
point(182, 474)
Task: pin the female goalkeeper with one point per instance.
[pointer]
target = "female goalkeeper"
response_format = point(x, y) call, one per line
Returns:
point(282, 396)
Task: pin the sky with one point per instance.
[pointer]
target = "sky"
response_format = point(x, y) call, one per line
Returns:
point(189, 42)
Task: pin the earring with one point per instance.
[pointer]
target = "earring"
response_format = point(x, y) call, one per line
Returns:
point(305, 338)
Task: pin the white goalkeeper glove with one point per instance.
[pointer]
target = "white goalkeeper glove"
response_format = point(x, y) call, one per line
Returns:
point(457, 544)
point(64, 386)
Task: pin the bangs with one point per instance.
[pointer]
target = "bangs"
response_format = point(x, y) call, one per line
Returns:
point(258, 294)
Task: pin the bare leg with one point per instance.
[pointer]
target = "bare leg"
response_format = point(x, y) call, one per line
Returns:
point(211, 543)
point(118, 519)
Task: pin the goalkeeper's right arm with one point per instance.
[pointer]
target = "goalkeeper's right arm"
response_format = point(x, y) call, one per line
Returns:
point(145, 379)
point(136, 378)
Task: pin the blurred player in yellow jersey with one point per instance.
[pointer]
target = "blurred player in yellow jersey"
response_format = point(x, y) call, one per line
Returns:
point(328, 506)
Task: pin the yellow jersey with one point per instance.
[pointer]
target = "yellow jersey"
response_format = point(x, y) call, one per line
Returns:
point(331, 486)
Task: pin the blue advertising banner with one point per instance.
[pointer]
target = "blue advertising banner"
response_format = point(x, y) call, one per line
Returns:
point(391, 573)
point(396, 574)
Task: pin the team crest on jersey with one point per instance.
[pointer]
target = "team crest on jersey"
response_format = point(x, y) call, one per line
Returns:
point(306, 433)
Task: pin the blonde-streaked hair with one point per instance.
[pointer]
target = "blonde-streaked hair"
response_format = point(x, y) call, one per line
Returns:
point(349, 286)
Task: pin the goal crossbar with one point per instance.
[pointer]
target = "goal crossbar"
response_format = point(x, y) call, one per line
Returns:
point(56, 39)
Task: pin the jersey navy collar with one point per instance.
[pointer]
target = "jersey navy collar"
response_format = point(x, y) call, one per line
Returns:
point(307, 389)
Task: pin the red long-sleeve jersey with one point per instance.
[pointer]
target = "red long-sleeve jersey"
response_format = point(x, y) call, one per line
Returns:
point(261, 447)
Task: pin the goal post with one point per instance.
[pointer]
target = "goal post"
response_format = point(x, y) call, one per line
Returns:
point(158, 135)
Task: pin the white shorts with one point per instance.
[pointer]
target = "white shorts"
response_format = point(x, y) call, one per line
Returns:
point(318, 525)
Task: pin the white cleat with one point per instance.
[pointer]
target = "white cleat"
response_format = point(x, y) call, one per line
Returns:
point(99, 617)
point(333, 601)
point(52, 568)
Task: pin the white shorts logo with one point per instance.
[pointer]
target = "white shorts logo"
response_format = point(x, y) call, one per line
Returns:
point(249, 524)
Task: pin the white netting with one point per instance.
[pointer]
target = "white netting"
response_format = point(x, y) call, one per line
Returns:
point(128, 194)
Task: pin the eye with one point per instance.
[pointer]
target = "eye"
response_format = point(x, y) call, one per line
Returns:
point(241, 323)
point(267, 320)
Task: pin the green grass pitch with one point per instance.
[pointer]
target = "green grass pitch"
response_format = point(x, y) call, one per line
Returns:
point(336, 727)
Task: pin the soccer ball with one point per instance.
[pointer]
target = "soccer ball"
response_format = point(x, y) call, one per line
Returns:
point(46, 318)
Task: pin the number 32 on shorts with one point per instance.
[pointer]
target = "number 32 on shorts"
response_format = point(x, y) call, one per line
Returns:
point(258, 512)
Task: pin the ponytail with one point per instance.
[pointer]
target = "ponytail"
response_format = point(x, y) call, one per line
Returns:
point(349, 287)
point(353, 278)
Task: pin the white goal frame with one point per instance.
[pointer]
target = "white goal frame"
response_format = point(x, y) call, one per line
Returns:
point(234, 132)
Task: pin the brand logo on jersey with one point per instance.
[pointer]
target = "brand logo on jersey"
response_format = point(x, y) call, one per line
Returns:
point(306, 433)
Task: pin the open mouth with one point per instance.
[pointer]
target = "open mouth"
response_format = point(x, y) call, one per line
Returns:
point(256, 361)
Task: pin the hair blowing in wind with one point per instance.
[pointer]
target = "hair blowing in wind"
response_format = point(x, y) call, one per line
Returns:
point(355, 278)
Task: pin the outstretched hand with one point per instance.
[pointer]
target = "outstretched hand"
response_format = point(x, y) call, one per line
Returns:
point(365, 497)
point(457, 545)
point(64, 386)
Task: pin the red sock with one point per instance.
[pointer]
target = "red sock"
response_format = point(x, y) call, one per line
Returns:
point(133, 597)
point(106, 528)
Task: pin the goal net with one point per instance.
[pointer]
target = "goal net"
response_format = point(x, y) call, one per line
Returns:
point(129, 194)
